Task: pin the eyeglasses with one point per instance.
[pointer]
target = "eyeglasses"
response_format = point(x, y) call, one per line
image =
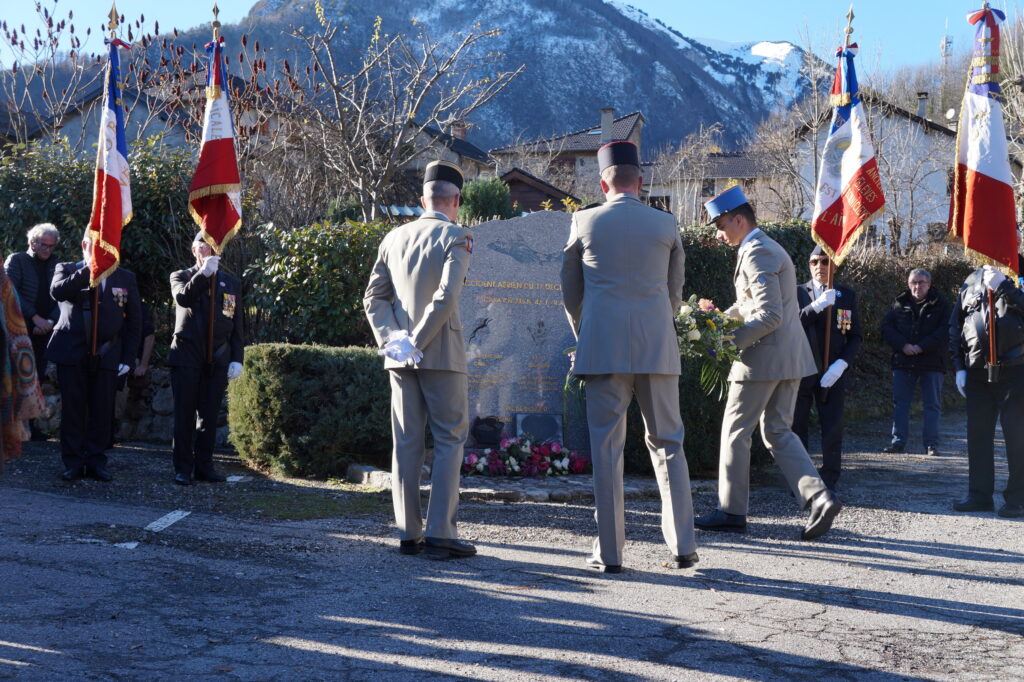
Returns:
point(819, 261)
point(44, 245)
point(918, 282)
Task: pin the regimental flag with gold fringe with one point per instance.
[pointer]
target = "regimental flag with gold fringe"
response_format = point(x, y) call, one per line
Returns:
point(215, 196)
point(849, 192)
point(981, 210)
point(112, 191)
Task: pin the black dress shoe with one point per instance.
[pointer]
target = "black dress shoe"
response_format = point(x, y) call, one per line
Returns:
point(448, 548)
point(824, 509)
point(723, 521)
point(685, 561)
point(969, 504)
point(72, 474)
point(1011, 511)
point(410, 546)
point(893, 448)
point(210, 476)
point(182, 479)
point(598, 565)
point(100, 474)
point(38, 436)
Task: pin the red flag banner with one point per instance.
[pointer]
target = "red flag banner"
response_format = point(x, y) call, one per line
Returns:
point(215, 196)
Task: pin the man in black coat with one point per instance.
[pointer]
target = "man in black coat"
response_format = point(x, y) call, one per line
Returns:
point(916, 327)
point(87, 384)
point(989, 397)
point(827, 388)
point(199, 386)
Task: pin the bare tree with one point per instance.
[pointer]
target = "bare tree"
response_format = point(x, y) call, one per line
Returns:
point(682, 171)
point(370, 120)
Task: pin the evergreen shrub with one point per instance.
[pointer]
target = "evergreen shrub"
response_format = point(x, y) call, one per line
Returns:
point(310, 410)
point(485, 199)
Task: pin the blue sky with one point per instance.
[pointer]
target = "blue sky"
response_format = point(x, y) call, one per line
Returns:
point(891, 33)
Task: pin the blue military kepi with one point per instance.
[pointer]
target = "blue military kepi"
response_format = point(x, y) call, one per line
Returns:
point(725, 202)
point(442, 170)
point(618, 153)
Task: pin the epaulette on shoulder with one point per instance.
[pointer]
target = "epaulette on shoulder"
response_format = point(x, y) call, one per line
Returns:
point(593, 205)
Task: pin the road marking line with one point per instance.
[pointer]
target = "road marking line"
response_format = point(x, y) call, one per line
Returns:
point(166, 520)
point(239, 479)
point(28, 647)
point(126, 545)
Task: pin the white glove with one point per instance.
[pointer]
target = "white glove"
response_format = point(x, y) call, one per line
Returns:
point(961, 381)
point(992, 277)
point(234, 370)
point(833, 373)
point(210, 265)
point(400, 349)
point(410, 352)
point(122, 370)
point(824, 300)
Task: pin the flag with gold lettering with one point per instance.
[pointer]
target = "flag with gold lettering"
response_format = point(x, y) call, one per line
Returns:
point(215, 196)
point(849, 192)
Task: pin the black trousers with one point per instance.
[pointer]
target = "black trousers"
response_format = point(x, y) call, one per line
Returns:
point(197, 399)
point(1005, 400)
point(830, 414)
point(86, 405)
point(39, 349)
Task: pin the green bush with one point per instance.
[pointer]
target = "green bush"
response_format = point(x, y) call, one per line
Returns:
point(484, 199)
point(308, 285)
point(311, 410)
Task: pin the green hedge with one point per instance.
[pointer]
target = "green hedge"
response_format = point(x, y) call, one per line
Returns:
point(311, 410)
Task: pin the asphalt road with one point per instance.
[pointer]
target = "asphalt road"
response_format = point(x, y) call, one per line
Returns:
point(902, 588)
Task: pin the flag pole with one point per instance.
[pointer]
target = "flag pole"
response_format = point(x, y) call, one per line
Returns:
point(993, 355)
point(112, 25)
point(826, 360)
point(213, 278)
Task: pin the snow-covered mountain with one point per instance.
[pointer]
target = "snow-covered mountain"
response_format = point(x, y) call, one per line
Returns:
point(580, 55)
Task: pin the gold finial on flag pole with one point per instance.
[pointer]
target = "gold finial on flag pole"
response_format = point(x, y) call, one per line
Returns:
point(113, 23)
point(849, 25)
point(216, 20)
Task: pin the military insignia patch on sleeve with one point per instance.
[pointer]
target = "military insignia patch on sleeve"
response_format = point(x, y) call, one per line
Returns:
point(762, 280)
point(469, 244)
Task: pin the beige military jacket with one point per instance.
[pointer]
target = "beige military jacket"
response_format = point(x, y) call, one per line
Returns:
point(772, 343)
point(622, 281)
point(415, 285)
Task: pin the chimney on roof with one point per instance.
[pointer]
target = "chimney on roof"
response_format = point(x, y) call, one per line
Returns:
point(922, 103)
point(607, 118)
point(459, 130)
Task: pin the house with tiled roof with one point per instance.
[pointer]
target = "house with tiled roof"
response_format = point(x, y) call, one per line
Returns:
point(572, 157)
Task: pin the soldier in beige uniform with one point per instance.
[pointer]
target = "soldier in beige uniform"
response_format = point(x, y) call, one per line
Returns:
point(622, 280)
point(774, 356)
point(412, 303)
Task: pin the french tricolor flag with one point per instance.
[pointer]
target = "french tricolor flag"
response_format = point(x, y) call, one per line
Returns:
point(981, 211)
point(849, 192)
point(112, 191)
point(215, 196)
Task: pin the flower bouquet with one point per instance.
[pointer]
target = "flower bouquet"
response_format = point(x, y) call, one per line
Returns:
point(705, 334)
point(521, 457)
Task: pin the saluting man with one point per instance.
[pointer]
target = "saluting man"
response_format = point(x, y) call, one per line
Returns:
point(412, 303)
point(763, 383)
point(826, 388)
point(199, 386)
point(622, 281)
point(87, 386)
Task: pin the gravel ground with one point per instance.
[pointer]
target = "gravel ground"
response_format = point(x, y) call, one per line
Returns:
point(287, 579)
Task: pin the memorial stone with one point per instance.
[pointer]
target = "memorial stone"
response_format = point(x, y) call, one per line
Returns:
point(516, 330)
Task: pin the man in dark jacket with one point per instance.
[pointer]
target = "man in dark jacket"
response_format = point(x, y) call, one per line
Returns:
point(199, 386)
point(826, 388)
point(916, 327)
point(990, 394)
point(31, 272)
point(87, 385)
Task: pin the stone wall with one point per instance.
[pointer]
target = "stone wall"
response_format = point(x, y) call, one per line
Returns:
point(144, 409)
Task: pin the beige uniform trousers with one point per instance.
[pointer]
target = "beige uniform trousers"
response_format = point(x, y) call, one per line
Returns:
point(419, 396)
point(608, 397)
point(771, 403)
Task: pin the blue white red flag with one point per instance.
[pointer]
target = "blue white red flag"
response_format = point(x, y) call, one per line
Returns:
point(981, 210)
point(215, 196)
point(849, 192)
point(112, 192)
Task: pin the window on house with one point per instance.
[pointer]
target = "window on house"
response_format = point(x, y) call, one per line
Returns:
point(707, 187)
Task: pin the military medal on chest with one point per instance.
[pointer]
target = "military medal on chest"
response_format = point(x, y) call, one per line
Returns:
point(120, 295)
point(229, 305)
point(844, 319)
